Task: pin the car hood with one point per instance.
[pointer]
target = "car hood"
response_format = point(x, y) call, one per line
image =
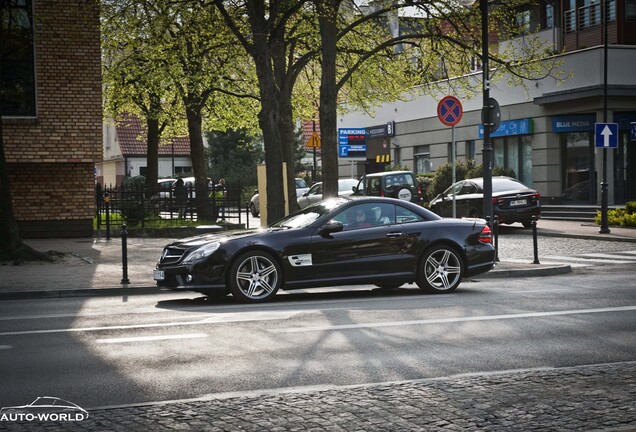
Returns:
point(203, 239)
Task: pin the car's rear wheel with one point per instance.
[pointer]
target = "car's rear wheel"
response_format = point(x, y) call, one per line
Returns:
point(255, 277)
point(440, 270)
point(253, 210)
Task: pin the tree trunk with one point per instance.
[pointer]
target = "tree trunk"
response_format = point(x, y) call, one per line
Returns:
point(199, 164)
point(152, 157)
point(327, 15)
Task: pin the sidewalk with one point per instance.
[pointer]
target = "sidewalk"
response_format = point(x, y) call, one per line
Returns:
point(89, 267)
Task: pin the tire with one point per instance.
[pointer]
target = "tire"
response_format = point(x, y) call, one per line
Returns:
point(253, 210)
point(255, 277)
point(527, 224)
point(440, 270)
point(403, 193)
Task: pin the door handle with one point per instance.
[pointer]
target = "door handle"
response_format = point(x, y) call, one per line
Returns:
point(394, 235)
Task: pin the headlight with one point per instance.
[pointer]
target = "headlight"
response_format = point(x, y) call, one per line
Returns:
point(201, 253)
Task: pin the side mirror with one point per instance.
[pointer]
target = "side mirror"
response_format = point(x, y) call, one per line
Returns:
point(306, 194)
point(255, 191)
point(331, 227)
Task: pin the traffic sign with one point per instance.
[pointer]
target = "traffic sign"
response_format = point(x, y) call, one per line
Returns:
point(314, 141)
point(606, 135)
point(449, 110)
point(632, 128)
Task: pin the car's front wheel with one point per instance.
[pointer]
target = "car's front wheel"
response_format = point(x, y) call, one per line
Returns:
point(441, 269)
point(255, 277)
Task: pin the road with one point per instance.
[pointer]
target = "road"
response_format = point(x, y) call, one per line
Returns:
point(109, 351)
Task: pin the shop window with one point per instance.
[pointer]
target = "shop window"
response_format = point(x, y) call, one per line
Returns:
point(515, 153)
point(577, 159)
point(17, 78)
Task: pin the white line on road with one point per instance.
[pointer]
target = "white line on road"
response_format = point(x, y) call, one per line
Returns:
point(452, 320)
point(2, 347)
point(151, 338)
point(587, 260)
point(221, 318)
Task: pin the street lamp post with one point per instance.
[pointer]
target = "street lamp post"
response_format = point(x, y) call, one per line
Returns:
point(486, 108)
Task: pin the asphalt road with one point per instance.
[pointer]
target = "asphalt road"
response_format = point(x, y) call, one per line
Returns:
point(109, 351)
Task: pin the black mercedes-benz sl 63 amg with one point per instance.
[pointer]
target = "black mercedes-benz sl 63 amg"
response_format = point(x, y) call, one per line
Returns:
point(341, 241)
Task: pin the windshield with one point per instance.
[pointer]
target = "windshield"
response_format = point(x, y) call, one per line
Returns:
point(305, 217)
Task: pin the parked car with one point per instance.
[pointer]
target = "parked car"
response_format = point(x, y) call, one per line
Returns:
point(301, 188)
point(314, 194)
point(166, 186)
point(325, 244)
point(512, 200)
point(394, 184)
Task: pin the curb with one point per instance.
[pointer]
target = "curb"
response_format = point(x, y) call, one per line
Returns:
point(529, 272)
point(82, 292)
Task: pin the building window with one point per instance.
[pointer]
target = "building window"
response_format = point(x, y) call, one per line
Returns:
point(630, 9)
point(17, 76)
point(423, 162)
point(522, 21)
point(470, 150)
point(549, 16)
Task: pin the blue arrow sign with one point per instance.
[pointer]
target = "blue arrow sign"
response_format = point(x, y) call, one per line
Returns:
point(606, 135)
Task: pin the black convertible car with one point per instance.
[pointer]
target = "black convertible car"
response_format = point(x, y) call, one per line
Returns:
point(340, 241)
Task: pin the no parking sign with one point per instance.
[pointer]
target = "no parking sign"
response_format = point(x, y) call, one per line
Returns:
point(449, 110)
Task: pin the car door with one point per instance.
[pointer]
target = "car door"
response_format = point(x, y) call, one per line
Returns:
point(360, 253)
point(445, 205)
point(308, 197)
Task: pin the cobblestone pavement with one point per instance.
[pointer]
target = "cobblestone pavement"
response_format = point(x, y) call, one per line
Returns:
point(582, 398)
point(521, 246)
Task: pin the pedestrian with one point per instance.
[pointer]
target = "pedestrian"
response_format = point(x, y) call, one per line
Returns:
point(180, 195)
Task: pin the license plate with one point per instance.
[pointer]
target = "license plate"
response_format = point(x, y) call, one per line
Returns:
point(518, 202)
point(158, 275)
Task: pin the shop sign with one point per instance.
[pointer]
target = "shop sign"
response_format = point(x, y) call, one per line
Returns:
point(577, 123)
point(509, 128)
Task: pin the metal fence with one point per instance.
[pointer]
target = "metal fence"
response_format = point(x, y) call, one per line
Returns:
point(136, 206)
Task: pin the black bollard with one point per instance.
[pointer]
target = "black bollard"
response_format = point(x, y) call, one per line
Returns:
point(107, 204)
point(124, 255)
point(495, 229)
point(534, 240)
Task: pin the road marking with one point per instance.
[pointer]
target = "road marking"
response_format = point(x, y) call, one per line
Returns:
point(3, 347)
point(452, 320)
point(151, 338)
point(609, 256)
point(588, 260)
point(220, 318)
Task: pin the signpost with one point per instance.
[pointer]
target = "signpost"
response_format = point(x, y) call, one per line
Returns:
point(606, 135)
point(632, 130)
point(449, 112)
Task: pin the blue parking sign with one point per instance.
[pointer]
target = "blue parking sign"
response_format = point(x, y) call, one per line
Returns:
point(606, 135)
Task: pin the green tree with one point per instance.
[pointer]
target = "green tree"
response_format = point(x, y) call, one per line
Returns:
point(134, 82)
point(233, 155)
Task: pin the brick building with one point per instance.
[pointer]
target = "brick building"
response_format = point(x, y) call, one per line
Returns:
point(52, 116)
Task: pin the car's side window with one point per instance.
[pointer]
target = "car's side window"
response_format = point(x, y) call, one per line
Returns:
point(384, 214)
point(404, 215)
point(359, 216)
